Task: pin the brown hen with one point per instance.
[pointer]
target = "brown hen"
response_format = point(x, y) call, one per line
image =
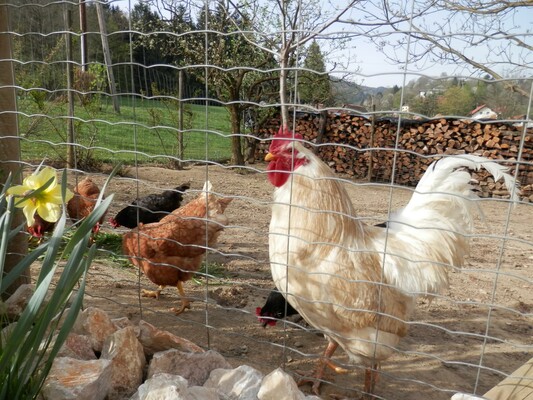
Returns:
point(39, 227)
point(82, 204)
point(170, 251)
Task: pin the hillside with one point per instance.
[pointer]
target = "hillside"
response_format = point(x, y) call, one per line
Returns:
point(346, 92)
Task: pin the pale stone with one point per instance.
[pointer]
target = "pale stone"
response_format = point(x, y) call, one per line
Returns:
point(195, 367)
point(77, 346)
point(96, 324)
point(279, 385)
point(465, 396)
point(121, 322)
point(17, 302)
point(127, 356)
point(241, 383)
point(77, 379)
point(155, 340)
point(6, 332)
point(162, 387)
point(202, 393)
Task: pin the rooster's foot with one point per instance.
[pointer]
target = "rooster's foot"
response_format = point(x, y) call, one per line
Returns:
point(310, 377)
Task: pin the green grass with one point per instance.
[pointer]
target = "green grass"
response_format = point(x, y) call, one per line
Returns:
point(217, 273)
point(144, 131)
point(110, 249)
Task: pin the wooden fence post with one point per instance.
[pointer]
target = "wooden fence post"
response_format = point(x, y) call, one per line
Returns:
point(10, 146)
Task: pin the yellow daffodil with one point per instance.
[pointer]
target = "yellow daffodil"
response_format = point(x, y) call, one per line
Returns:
point(46, 203)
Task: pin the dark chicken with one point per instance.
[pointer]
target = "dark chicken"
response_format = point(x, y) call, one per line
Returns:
point(275, 308)
point(151, 208)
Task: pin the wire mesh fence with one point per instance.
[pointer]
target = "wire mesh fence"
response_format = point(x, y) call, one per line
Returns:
point(187, 92)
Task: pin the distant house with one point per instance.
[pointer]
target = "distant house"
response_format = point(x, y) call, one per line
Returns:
point(431, 92)
point(483, 112)
point(525, 121)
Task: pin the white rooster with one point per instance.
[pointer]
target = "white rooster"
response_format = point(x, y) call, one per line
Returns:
point(354, 282)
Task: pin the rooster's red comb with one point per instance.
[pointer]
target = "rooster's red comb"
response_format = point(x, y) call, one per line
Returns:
point(285, 132)
point(283, 136)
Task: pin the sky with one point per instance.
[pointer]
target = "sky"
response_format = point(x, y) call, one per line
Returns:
point(498, 52)
point(361, 62)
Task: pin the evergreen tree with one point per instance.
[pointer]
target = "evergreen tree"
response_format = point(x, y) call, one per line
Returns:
point(314, 83)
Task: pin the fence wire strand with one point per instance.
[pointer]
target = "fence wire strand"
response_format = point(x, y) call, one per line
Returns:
point(466, 339)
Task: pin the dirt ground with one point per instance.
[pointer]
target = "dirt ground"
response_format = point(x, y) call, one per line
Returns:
point(468, 340)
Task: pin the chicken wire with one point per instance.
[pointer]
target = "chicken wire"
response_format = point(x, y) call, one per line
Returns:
point(466, 340)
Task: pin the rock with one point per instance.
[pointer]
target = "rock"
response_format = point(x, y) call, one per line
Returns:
point(78, 347)
point(162, 387)
point(121, 322)
point(77, 379)
point(241, 383)
point(202, 393)
point(18, 301)
point(195, 367)
point(127, 357)
point(279, 385)
point(176, 363)
point(6, 332)
point(96, 324)
point(465, 396)
point(154, 340)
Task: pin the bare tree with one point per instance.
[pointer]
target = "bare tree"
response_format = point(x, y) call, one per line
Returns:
point(479, 37)
point(288, 25)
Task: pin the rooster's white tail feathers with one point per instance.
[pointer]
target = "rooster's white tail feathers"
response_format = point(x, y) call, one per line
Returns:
point(444, 175)
point(207, 186)
point(437, 221)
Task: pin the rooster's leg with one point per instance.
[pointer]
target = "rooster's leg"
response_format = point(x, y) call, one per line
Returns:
point(185, 303)
point(323, 362)
point(371, 377)
point(152, 293)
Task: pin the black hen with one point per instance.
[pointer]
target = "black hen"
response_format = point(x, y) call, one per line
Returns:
point(274, 309)
point(151, 208)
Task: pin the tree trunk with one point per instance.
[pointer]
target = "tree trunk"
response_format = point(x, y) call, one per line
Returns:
point(251, 146)
point(237, 157)
point(107, 57)
point(283, 76)
point(10, 147)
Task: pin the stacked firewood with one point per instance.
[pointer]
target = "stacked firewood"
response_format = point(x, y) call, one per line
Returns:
point(353, 144)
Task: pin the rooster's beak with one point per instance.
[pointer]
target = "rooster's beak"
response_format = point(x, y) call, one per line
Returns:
point(270, 157)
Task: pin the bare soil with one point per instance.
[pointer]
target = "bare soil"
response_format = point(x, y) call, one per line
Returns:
point(468, 340)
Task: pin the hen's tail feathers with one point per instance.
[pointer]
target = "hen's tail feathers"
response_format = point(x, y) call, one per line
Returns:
point(437, 222)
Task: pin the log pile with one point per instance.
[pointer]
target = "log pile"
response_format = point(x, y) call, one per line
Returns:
point(352, 144)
